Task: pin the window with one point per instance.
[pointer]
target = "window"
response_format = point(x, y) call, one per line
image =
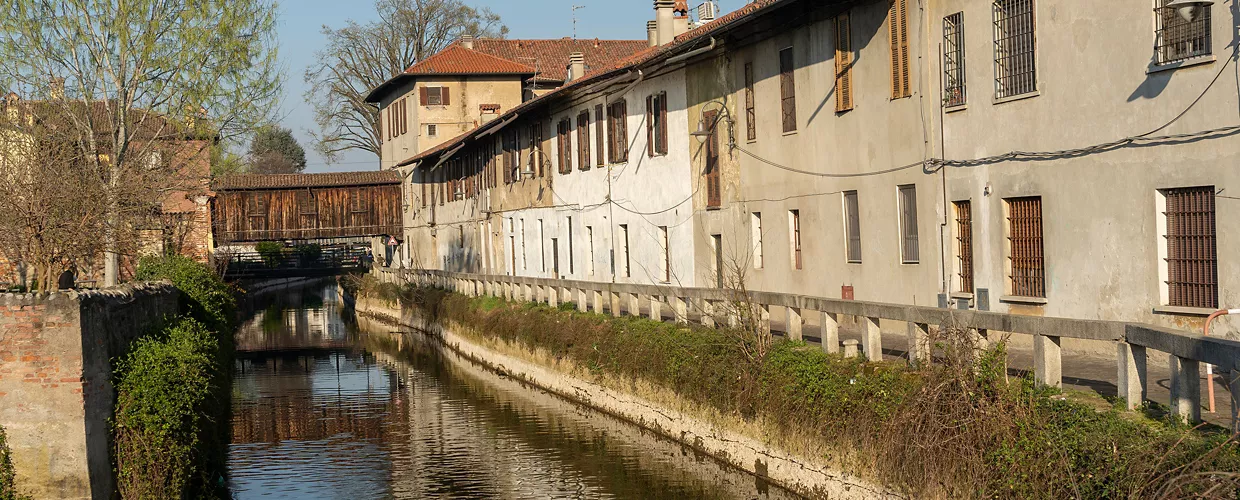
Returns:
point(964, 244)
point(1176, 39)
point(525, 264)
point(714, 195)
point(665, 266)
point(617, 132)
point(583, 141)
point(787, 90)
point(564, 146)
point(512, 158)
point(624, 238)
point(542, 247)
point(598, 134)
point(852, 227)
point(716, 245)
point(843, 64)
point(897, 28)
point(1026, 267)
point(570, 246)
point(536, 151)
point(307, 210)
point(432, 130)
point(794, 237)
point(751, 124)
point(434, 96)
point(953, 60)
point(1015, 73)
point(755, 228)
point(909, 250)
point(257, 211)
point(590, 250)
point(1191, 254)
point(656, 124)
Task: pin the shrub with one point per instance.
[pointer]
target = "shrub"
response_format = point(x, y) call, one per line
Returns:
point(272, 252)
point(308, 253)
point(168, 391)
point(8, 486)
point(207, 297)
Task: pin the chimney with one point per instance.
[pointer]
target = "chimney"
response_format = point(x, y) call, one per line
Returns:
point(680, 17)
point(56, 90)
point(467, 41)
point(576, 65)
point(663, 19)
point(652, 32)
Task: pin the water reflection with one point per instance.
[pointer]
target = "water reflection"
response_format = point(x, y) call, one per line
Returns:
point(386, 415)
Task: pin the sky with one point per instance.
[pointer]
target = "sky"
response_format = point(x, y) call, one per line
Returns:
point(301, 23)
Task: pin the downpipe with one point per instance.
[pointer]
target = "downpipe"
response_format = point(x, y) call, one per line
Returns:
point(1205, 331)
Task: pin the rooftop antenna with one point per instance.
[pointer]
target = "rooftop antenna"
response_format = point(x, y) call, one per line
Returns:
point(575, 7)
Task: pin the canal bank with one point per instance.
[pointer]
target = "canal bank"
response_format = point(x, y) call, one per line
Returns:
point(706, 432)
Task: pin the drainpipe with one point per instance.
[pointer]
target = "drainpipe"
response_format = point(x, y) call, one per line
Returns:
point(1205, 331)
point(692, 53)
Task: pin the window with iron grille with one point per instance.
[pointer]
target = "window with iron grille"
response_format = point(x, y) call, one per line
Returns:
point(1015, 44)
point(751, 124)
point(1176, 39)
point(1026, 269)
point(794, 237)
point(599, 141)
point(617, 132)
point(432, 130)
point(897, 29)
point(787, 90)
point(909, 249)
point(852, 227)
point(564, 146)
point(583, 146)
point(964, 244)
point(953, 60)
point(843, 64)
point(1192, 256)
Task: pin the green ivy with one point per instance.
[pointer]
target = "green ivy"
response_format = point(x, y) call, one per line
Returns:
point(207, 297)
point(8, 485)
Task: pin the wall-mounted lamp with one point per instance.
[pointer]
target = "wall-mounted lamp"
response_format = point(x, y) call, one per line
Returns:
point(1190, 10)
point(705, 130)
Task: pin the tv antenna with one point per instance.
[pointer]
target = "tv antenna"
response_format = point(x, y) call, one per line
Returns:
point(575, 7)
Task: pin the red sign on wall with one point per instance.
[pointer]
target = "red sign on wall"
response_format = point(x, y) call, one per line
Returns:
point(846, 292)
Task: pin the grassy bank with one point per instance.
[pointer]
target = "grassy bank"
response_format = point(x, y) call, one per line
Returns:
point(954, 429)
point(171, 427)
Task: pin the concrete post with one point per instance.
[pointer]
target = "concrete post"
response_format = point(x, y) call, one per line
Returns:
point(850, 348)
point(1047, 363)
point(918, 343)
point(871, 339)
point(529, 293)
point(598, 301)
point(656, 308)
point(764, 318)
point(583, 305)
point(553, 297)
point(1130, 362)
point(680, 309)
point(635, 305)
point(830, 332)
point(708, 313)
point(793, 323)
point(1186, 388)
point(613, 301)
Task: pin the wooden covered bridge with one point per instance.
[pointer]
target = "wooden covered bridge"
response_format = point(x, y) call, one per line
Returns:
point(342, 213)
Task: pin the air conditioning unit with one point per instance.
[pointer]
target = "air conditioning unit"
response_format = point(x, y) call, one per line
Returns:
point(707, 12)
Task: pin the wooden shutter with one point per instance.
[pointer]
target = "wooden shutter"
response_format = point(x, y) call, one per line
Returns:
point(422, 95)
point(714, 193)
point(897, 29)
point(598, 134)
point(843, 64)
point(852, 230)
point(507, 157)
point(650, 146)
point(751, 127)
point(583, 141)
point(663, 123)
point(445, 96)
point(787, 90)
point(622, 123)
point(404, 116)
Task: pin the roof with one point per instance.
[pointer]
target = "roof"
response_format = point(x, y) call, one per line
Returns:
point(684, 43)
point(141, 124)
point(458, 60)
point(238, 182)
point(550, 57)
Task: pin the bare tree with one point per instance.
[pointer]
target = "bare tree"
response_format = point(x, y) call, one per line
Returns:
point(127, 77)
point(360, 57)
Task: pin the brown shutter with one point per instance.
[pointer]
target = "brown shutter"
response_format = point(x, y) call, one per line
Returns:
point(650, 149)
point(404, 117)
point(843, 64)
point(445, 96)
point(663, 123)
point(382, 128)
point(599, 120)
point(897, 29)
point(622, 116)
point(422, 95)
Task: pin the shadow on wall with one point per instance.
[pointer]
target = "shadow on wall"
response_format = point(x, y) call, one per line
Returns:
point(1155, 83)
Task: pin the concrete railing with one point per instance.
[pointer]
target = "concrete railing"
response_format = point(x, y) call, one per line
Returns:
point(1186, 351)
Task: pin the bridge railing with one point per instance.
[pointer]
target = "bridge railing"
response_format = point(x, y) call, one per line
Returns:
point(330, 258)
point(1186, 351)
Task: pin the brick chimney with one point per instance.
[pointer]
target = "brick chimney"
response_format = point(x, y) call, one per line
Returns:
point(680, 17)
point(652, 32)
point(467, 41)
point(663, 19)
point(576, 65)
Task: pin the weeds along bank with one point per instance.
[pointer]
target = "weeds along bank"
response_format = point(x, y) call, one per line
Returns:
point(173, 391)
point(954, 429)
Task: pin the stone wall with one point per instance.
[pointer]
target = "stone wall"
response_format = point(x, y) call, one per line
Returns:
point(56, 393)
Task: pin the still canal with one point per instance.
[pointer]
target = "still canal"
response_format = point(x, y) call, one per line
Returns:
point(329, 405)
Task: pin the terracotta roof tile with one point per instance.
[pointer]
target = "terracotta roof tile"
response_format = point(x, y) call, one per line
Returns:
point(456, 60)
point(284, 181)
point(550, 57)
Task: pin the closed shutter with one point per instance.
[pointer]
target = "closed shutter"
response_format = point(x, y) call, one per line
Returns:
point(599, 133)
point(714, 194)
point(622, 146)
point(650, 146)
point(404, 116)
point(751, 127)
point(852, 229)
point(422, 95)
point(897, 22)
point(445, 95)
point(843, 64)
point(663, 123)
point(787, 90)
point(910, 249)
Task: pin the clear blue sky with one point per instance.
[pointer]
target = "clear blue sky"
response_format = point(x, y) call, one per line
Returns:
point(301, 22)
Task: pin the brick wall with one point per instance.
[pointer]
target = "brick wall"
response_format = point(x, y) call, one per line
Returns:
point(56, 393)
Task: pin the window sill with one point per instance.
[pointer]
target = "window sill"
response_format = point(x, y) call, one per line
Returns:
point(790, 132)
point(1016, 299)
point(961, 295)
point(909, 262)
point(852, 262)
point(1020, 97)
point(1183, 63)
point(953, 109)
point(714, 208)
point(1183, 311)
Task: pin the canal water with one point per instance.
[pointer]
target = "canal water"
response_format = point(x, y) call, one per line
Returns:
point(329, 405)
